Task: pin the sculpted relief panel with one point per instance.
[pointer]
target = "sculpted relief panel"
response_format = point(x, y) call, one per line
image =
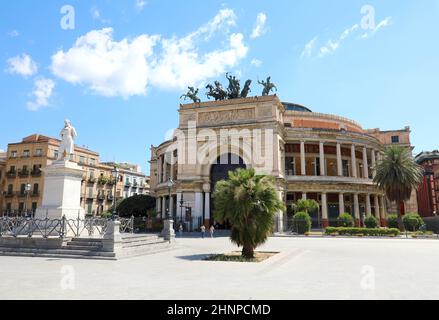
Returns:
point(215, 117)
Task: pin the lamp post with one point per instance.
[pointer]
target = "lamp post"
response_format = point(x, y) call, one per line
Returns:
point(115, 174)
point(27, 189)
point(170, 184)
point(181, 208)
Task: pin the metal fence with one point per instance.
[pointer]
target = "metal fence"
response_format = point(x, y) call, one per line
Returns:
point(62, 228)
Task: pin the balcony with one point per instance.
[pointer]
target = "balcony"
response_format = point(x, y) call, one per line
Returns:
point(101, 196)
point(127, 184)
point(36, 173)
point(21, 194)
point(9, 194)
point(90, 196)
point(23, 173)
point(110, 197)
point(91, 180)
point(35, 194)
point(11, 174)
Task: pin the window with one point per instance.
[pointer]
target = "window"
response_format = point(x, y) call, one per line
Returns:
point(36, 189)
point(81, 159)
point(55, 154)
point(317, 166)
point(345, 168)
point(21, 207)
point(13, 154)
point(10, 189)
point(289, 166)
point(38, 152)
point(92, 161)
point(8, 207)
point(26, 153)
point(395, 139)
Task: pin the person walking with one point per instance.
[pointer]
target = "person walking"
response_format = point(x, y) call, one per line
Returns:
point(211, 230)
point(203, 230)
point(180, 230)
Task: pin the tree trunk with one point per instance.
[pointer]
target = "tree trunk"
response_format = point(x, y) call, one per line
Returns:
point(248, 251)
point(400, 223)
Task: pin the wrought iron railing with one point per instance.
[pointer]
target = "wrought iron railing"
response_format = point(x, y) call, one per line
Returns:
point(62, 228)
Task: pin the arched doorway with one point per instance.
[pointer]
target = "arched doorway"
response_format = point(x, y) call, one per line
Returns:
point(220, 171)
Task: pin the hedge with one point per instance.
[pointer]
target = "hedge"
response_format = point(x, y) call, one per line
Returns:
point(412, 221)
point(375, 232)
point(371, 222)
point(345, 220)
point(301, 222)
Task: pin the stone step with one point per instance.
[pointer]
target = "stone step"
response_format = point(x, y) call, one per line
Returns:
point(92, 240)
point(142, 241)
point(85, 244)
point(59, 252)
point(80, 247)
point(53, 255)
point(140, 236)
point(148, 244)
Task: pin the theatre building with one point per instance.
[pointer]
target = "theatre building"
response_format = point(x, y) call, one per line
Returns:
point(311, 155)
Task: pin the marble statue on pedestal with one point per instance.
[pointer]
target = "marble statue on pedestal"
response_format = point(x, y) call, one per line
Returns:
point(62, 182)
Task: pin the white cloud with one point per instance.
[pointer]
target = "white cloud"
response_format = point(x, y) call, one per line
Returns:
point(257, 63)
point(13, 33)
point(43, 89)
point(258, 29)
point(140, 4)
point(127, 67)
point(22, 65)
point(332, 46)
point(309, 47)
point(107, 67)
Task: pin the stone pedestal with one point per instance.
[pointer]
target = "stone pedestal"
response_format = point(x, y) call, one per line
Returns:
point(62, 191)
point(112, 238)
point(168, 232)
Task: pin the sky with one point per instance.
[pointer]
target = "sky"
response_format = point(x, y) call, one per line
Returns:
point(117, 69)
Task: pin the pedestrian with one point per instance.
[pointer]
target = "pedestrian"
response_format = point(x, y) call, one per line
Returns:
point(211, 230)
point(203, 230)
point(180, 230)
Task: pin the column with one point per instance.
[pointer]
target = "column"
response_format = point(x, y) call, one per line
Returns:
point(159, 169)
point(163, 207)
point(341, 203)
point(198, 204)
point(353, 162)
point(339, 163)
point(171, 207)
point(302, 158)
point(304, 195)
point(356, 210)
point(373, 159)
point(164, 167)
point(322, 159)
point(365, 164)
point(179, 211)
point(377, 207)
point(172, 167)
point(207, 209)
point(157, 204)
point(368, 209)
point(383, 220)
point(325, 222)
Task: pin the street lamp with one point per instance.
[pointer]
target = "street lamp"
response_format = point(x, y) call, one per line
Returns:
point(170, 184)
point(115, 174)
point(27, 189)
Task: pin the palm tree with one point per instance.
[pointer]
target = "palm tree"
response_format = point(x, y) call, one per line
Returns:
point(397, 174)
point(305, 205)
point(249, 201)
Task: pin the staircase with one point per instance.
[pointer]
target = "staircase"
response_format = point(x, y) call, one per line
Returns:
point(86, 248)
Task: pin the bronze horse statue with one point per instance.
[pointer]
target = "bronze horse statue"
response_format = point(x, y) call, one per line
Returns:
point(268, 86)
point(192, 95)
point(246, 89)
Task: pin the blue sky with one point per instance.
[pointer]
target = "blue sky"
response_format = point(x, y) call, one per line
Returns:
point(119, 73)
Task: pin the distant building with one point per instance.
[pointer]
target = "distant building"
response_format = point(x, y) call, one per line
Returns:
point(428, 197)
point(400, 138)
point(22, 164)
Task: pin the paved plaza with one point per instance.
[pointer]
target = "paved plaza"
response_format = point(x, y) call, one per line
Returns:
point(306, 268)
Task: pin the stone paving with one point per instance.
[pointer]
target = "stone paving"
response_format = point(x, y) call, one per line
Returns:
point(305, 268)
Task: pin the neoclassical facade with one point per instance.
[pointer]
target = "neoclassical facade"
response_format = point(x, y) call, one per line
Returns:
point(310, 155)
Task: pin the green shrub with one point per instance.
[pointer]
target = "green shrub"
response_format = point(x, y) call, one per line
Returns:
point(375, 232)
point(301, 222)
point(412, 221)
point(392, 221)
point(371, 222)
point(345, 220)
